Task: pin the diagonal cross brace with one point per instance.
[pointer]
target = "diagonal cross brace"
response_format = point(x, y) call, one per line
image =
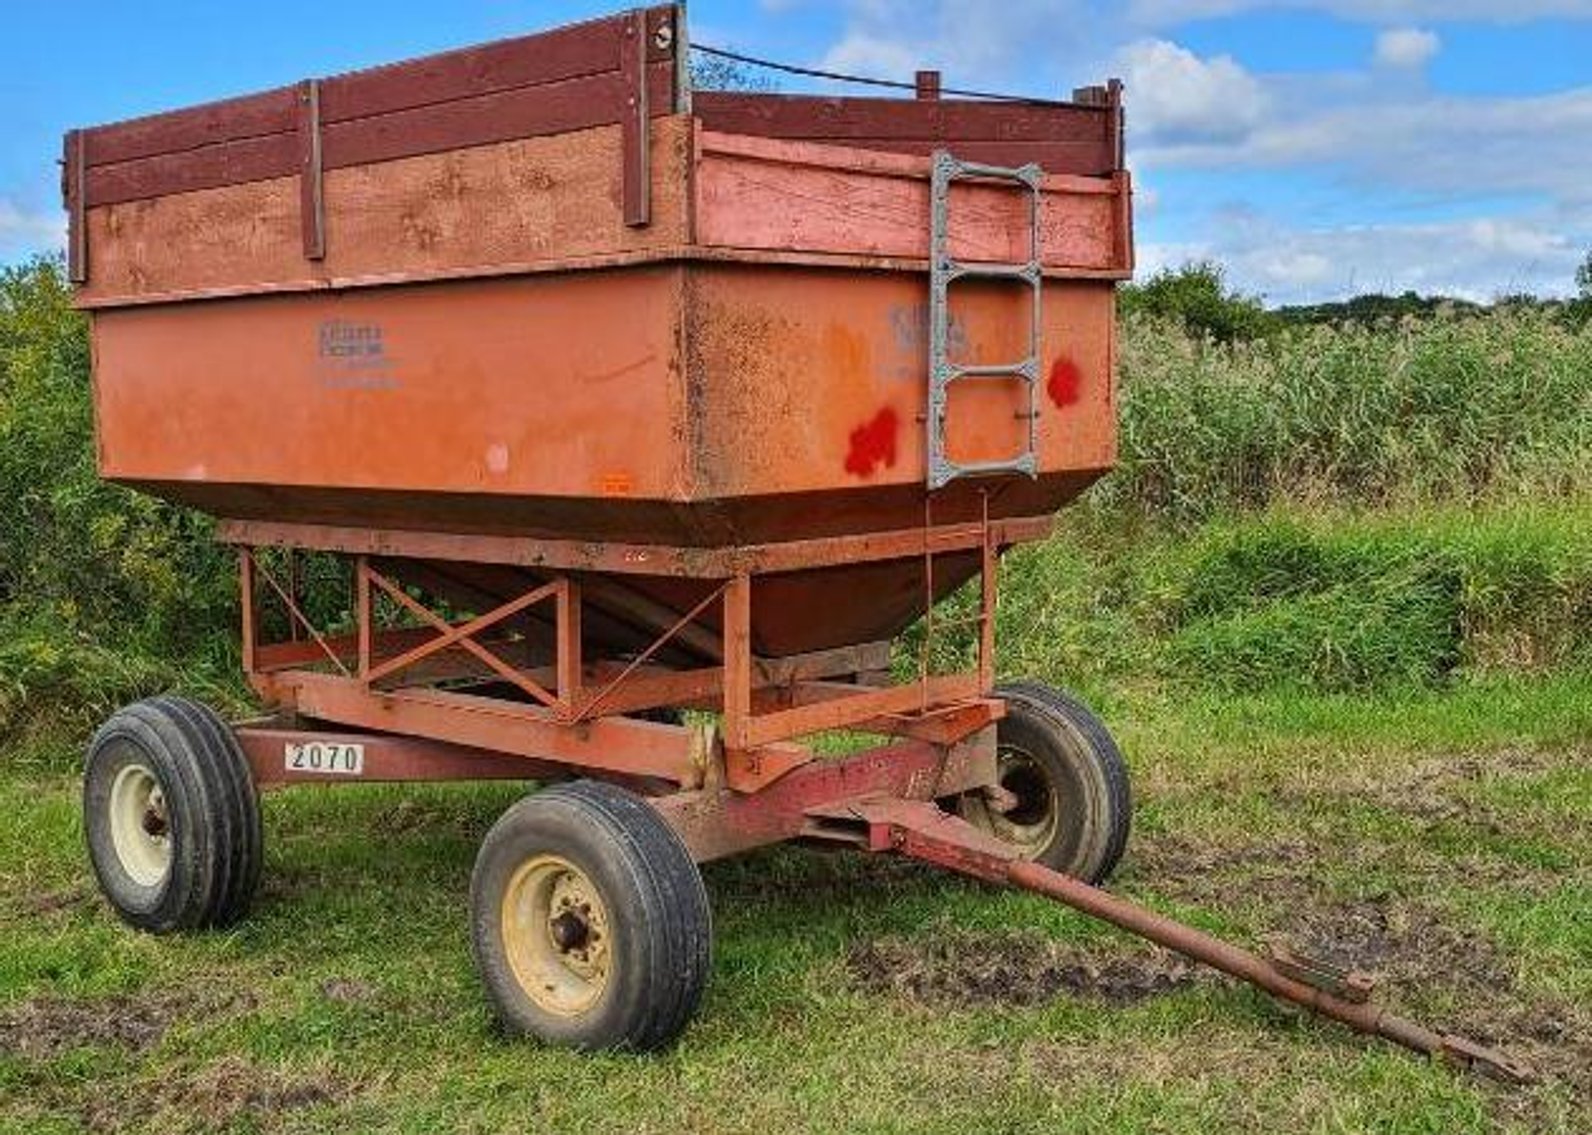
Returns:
point(460, 634)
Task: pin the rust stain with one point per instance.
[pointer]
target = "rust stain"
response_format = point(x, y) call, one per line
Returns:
point(1064, 382)
point(873, 444)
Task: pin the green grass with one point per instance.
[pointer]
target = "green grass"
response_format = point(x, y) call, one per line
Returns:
point(1448, 833)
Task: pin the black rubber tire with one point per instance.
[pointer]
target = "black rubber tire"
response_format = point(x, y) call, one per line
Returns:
point(1085, 775)
point(659, 920)
point(212, 816)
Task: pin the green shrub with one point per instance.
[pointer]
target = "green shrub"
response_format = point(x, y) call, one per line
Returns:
point(1320, 599)
point(104, 594)
point(1404, 634)
point(1196, 298)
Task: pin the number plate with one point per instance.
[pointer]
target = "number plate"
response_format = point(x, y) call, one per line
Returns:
point(326, 758)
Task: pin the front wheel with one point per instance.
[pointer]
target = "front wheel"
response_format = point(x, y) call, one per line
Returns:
point(590, 923)
point(1065, 802)
point(172, 817)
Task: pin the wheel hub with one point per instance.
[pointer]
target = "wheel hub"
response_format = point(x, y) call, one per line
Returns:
point(1030, 809)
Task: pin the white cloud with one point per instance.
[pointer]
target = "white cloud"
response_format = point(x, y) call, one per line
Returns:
point(24, 232)
point(1406, 47)
point(1476, 258)
point(1173, 94)
point(1020, 44)
point(863, 53)
point(1455, 148)
point(1353, 142)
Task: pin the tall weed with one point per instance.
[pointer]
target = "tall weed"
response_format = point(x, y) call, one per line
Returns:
point(1466, 408)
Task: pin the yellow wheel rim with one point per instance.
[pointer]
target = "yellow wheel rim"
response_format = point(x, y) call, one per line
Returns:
point(556, 935)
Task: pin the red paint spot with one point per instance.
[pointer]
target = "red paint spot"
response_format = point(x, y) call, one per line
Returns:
point(873, 444)
point(1065, 380)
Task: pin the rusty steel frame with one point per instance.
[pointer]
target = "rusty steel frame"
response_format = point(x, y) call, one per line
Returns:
point(571, 713)
point(620, 558)
point(388, 758)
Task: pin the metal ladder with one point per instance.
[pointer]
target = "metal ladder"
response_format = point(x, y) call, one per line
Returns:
point(943, 271)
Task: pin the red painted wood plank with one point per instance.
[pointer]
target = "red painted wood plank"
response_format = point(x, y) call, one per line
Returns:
point(572, 52)
point(230, 163)
point(524, 113)
point(785, 201)
point(549, 57)
point(268, 112)
point(1092, 158)
point(527, 112)
point(815, 117)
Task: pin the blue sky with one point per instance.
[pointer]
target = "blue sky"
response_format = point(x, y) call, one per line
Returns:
point(1316, 147)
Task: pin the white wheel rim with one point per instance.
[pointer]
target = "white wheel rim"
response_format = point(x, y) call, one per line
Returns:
point(140, 829)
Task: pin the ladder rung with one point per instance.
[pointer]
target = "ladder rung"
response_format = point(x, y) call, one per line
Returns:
point(1028, 175)
point(1029, 271)
point(942, 472)
point(1026, 369)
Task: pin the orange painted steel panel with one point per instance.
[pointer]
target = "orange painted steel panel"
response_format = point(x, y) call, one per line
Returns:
point(486, 388)
point(813, 380)
point(708, 404)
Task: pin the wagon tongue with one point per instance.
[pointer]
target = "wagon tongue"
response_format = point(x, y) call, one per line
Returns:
point(921, 830)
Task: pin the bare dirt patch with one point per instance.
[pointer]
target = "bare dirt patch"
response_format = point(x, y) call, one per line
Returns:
point(1441, 791)
point(212, 1097)
point(967, 970)
point(45, 1027)
point(1280, 873)
point(1406, 945)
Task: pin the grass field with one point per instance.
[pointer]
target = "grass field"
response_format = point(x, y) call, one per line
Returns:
point(1441, 839)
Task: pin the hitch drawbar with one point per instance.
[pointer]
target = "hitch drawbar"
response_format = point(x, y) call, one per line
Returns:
point(921, 830)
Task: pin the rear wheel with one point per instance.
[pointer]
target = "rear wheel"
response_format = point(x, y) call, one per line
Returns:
point(1065, 800)
point(590, 922)
point(172, 817)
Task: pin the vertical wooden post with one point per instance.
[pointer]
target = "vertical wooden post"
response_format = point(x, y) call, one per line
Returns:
point(738, 661)
point(636, 123)
point(1118, 140)
point(74, 183)
point(569, 656)
point(364, 617)
point(312, 182)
